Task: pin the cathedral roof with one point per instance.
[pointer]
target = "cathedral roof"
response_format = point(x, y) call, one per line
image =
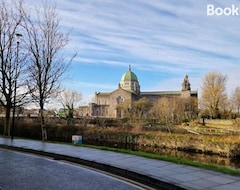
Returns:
point(129, 76)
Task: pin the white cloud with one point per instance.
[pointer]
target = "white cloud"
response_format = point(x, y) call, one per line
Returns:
point(173, 37)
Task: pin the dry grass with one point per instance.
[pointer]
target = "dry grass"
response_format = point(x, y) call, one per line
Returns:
point(220, 123)
point(219, 140)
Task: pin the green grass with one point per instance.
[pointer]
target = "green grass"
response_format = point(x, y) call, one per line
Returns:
point(173, 159)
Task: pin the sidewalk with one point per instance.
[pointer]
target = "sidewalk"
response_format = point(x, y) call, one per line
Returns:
point(162, 174)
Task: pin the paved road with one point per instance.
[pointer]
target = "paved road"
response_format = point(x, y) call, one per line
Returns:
point(25, 172)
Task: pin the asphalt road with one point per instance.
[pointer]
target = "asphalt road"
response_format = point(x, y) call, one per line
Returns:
point(20, 171)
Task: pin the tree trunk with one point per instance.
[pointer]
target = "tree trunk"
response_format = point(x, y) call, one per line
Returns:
point(7, 122)
point(43, 126)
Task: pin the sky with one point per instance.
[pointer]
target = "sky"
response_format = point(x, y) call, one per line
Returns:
point(162, 40)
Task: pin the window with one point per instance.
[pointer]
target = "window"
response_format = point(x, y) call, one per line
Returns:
point(120, 100)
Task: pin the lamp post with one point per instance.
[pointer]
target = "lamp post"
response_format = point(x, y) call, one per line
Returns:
point(18, 36)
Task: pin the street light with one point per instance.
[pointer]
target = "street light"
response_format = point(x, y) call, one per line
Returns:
point(18, 37)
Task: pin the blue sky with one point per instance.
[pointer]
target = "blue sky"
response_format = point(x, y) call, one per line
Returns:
point(162, 40)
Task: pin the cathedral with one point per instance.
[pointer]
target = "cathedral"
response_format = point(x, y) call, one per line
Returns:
point(105, 103)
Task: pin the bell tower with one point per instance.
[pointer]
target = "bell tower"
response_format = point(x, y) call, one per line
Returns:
point(186, 87)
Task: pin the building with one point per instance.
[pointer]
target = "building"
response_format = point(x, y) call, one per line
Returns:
point(106, 103)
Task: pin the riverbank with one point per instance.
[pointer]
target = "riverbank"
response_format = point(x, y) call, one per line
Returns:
point(177, 160)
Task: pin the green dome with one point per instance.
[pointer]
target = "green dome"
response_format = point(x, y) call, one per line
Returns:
point(129, 76)
point(129, 82)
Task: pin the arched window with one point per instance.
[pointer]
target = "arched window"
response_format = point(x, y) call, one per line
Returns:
point(120, 100)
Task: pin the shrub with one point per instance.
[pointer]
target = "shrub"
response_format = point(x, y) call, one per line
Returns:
point(28, 130)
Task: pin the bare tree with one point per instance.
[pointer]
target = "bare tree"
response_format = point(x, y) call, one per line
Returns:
point(47, 63)
point(236, 99)
point(140, 108)
point(187, 108)
point(214, 95)
point(11, 64)
point(168, 110)
point(124, 109)
point(69, 100)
